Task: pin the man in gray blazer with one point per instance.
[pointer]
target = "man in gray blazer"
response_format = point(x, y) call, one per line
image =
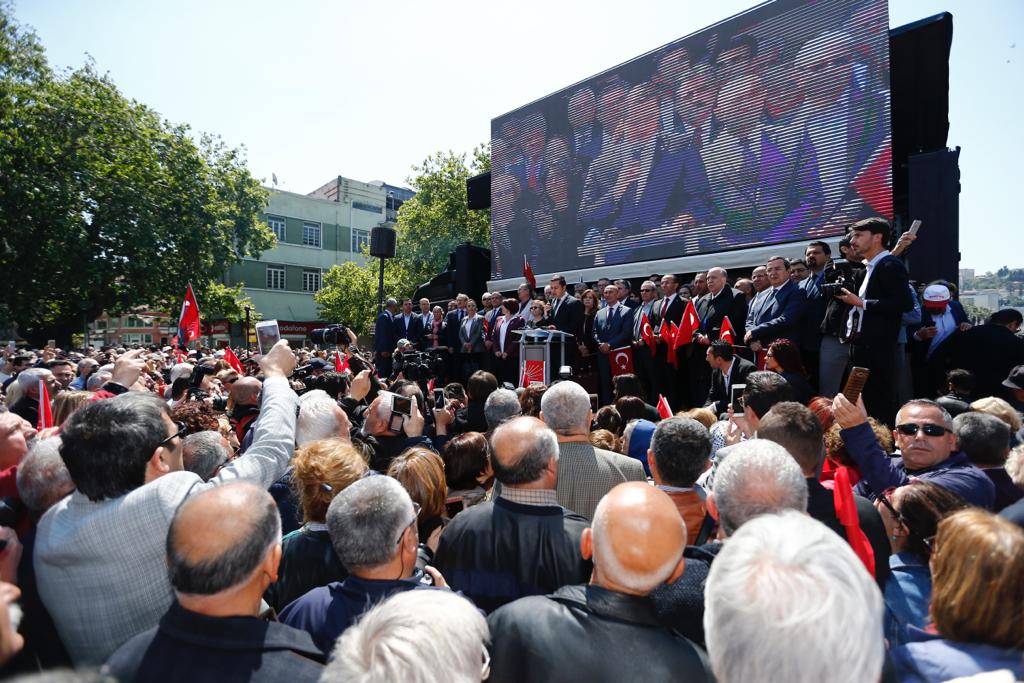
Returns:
point(100, 556)
point(585, 473)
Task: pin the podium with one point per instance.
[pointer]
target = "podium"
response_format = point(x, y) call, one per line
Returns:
point(544, 346)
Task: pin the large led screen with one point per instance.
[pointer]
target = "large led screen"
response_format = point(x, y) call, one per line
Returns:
point(770, 127)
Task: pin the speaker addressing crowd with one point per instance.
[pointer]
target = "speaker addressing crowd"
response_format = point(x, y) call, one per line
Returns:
point(433, 512)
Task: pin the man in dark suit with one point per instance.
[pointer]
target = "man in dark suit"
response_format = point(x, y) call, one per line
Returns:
point(426, 322)
point(669, 310)
point(566, 315)
point(990, 351)
point(613, 328)
point(877, 310)
point(408, 325)
point(721, 301)
point(728, 369)
point(384, 338)
point(777, 311)
point(817, 254)
point(643, 359)
point(450, 336)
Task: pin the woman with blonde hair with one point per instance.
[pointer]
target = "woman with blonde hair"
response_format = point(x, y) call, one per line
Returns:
point(1001, 409)
point(67, 402)
point(420, 471)
point(977, 596)
point(320, 470)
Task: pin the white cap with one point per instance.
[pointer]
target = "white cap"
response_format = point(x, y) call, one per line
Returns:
point(936, 293)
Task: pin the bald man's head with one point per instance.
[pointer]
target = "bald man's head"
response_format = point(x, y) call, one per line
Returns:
point(246, 391)
point(219, 538)
point(637, 539)
point(522, 451)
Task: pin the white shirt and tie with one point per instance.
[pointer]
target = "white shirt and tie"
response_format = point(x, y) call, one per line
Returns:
point(857, 312)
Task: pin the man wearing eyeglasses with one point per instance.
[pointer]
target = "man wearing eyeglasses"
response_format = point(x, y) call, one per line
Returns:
point(372, 525)
point(927, 450)
point(100, 556)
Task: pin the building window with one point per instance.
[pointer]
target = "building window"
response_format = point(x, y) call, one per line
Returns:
point(362, 206)
point(275, 277)
point(135, 322)
point(311, 281)
point(311, 234)
point(360, 240)
point(277, 226)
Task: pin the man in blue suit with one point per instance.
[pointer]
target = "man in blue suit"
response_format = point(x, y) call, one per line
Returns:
point(384, 338)
point(777, 311)
point(613, 328)
point(408, 325)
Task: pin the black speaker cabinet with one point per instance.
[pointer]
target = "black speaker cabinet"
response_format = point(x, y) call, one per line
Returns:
point(382, 242)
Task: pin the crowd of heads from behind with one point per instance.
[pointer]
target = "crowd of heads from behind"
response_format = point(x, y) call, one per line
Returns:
point(721, 506)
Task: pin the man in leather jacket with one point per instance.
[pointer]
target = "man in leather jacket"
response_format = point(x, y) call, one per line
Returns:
point(636, 543)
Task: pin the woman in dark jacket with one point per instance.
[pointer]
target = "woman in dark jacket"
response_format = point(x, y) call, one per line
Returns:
point(505, 343)
point(320, 470)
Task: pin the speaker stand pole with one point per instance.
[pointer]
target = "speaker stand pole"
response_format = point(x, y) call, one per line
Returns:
point(380, 288)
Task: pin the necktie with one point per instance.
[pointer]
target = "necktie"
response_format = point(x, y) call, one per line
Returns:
point(664, 307)
point(554, 311)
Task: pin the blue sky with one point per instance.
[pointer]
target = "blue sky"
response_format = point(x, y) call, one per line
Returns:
point(366, 90)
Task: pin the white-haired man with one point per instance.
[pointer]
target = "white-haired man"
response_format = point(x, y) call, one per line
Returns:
point(28, 381)
point(586, 473)
point(758, 477)
point(787, 600)
point(413, 636)
point(606, 630)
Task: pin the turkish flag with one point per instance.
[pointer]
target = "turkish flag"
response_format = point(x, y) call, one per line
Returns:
point(533, 371)
point(621, 360)
point(430, 386)
point(646, 333)
point(339, 365)
point(45, 415)
point(528, 273)
point(669, 331)
point(688, 325)
point(664, 411)
point(188, 321)
point(233, 361)
point(727, 334)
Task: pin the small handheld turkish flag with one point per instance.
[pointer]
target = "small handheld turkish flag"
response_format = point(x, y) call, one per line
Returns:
point(622, 361)
point(647, 334)
point(664, 411)
point(45, 416)
point(688, 325)
point(233, 361)
point(188, 321)
point(339, 365)
point(727, 334)
point(528, 273)
point(669, 332)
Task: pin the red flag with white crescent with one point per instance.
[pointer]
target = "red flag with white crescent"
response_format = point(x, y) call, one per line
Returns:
point(646, 333)
point(727, 334)
point(669, 332)
point(688, 325)
point(621, 360)
point(188, 321)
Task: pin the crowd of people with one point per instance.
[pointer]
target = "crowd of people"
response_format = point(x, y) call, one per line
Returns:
point(336, 515)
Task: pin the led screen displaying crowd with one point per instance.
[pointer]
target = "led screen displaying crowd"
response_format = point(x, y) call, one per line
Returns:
point(770, 127)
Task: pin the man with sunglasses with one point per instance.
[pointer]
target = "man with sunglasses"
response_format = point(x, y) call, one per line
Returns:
point(100, 556)
point(927, 450)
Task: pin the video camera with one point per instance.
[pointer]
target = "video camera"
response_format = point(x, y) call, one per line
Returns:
point(335, 333)
point(838, 275)
point(419, 366)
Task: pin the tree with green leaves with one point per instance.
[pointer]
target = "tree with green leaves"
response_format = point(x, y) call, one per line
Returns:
point(430, 226)
point(105, 206)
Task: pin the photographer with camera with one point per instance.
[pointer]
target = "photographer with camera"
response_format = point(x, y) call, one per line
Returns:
point(876, 311)
point(834, 351)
